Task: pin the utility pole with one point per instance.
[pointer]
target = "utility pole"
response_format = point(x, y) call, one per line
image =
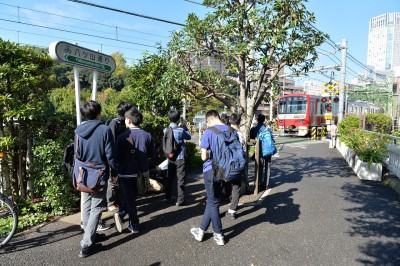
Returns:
point(342, 80)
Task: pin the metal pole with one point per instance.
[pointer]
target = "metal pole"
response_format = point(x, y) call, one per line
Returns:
point(94, 90)
point(77, 95)
point(342, 80)
point(184, 108)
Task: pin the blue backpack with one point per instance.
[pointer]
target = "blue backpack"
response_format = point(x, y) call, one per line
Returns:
point(267, 143)
point(229, 160)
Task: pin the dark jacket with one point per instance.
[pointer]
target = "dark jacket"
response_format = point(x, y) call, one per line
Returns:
point(134, 147)
point(96, 144)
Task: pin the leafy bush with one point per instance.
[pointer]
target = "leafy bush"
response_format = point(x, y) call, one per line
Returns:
point(193, 155)
point(51, 181)
point(378, 122)
point(348, 124)
point(369, 147)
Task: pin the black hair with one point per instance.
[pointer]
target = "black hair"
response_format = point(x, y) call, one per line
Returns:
point(123, 107)
point(134, 115)
point(225, 119)
point(174, 115)
point(260, 118)
point(213, 113)
point(235, 119)
point(90, 110)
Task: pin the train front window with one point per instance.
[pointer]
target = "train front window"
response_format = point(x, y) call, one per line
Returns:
point(293, 105)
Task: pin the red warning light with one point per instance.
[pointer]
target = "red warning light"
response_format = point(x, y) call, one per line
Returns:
point(323, 100)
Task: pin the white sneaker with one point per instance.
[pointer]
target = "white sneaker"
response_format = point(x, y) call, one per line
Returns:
point(197, 233)
point(219, 239)
point(118, 223)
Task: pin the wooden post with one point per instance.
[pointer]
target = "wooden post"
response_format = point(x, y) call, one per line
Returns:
point(257, 165)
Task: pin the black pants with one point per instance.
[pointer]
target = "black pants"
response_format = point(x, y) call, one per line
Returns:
point(129, 190)
point(264, 171)
point(236, 184)
point(176, 178)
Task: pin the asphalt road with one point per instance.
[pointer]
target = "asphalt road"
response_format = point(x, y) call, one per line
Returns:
point(316, 213)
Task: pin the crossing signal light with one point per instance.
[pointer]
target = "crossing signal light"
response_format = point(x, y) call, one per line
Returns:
point(323, 100)
point(328, 107)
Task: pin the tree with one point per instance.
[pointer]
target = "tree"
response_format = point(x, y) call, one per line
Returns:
point(25, 79)
point(253, 40)
point(145, 88)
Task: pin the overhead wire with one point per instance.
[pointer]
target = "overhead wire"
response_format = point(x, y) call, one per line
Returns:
point(87, 21)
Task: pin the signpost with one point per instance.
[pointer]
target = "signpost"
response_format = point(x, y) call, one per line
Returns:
point(77, 56)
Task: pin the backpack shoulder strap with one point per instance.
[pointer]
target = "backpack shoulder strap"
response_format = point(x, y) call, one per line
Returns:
point(215, 130)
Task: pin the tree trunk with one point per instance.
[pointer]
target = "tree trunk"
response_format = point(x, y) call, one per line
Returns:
point(22, 180)
point(14, 160)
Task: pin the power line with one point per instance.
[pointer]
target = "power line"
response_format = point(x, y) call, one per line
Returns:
point(127, 12)
point(79, 33)
point(87, 21)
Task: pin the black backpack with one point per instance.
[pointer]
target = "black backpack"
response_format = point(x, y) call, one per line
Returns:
point(120, 126)
point(169, 144)
point(69, 159)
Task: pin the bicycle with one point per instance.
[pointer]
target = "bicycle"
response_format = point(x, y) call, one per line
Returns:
point(8, 219)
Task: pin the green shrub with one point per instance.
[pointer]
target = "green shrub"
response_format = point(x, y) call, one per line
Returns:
point(348, 124)
point(369, 147)
point(378, 122)
point(193, 155)
point(51, 182)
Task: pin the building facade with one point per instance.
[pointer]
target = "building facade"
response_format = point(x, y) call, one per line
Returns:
point(384, 42)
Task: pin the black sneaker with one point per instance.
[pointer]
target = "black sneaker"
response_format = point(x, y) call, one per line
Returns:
point(133, 228)
point(102, 226)
point(178, 204)
point(85, 252)
point(231, 216)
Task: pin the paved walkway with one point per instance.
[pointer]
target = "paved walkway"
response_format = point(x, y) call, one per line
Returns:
point(316, 213)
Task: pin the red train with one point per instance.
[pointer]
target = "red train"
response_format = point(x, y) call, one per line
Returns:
point(298, 113)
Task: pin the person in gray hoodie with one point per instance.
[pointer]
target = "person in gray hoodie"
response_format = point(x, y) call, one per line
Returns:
point(96, 145)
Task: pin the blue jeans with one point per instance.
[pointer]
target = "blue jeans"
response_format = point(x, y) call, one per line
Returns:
point(211, 214)
point(92, 207)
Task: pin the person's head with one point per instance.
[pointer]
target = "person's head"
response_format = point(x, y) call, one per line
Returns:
point(90, 110)
point(212, 117)
point(225, 119)
point(235, 119)
point(174, 115)
point(133, 116)
point(260, 118)
point(123, 107)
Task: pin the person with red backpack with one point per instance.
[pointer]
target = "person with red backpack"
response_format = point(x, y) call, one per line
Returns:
point(175, 144)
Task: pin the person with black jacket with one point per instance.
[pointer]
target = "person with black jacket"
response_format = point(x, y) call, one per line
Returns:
point(133, 149)
point(117, 126)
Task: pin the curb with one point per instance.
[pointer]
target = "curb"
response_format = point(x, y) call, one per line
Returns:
point(393, 182)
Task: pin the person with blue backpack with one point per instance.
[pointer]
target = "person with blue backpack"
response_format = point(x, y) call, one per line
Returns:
point(267, 149)
point(224, 160)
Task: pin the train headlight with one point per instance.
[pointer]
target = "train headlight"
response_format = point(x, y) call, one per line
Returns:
point(281, 121)
point(302, 121)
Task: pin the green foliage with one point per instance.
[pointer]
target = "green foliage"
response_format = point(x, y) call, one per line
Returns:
point(369, 147)
point(246, 42)
point(378, 122)
point(348, 125)
point(193, 155)
point(144, 85)
point(50, 179)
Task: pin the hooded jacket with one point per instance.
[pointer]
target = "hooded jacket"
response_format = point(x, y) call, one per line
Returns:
point(96, 144)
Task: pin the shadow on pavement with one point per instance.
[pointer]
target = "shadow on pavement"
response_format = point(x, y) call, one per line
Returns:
point(371, 219)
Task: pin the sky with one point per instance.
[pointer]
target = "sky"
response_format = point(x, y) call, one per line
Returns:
point(41, 22)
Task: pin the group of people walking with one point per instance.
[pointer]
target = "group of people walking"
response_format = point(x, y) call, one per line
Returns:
point(125, 148)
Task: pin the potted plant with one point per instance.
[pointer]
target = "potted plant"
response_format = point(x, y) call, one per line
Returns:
point(368, 149)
